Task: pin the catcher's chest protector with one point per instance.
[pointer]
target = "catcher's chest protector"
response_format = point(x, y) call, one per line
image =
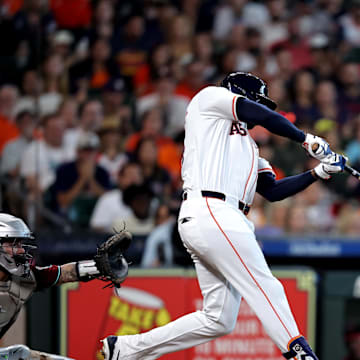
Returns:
point(13, 294)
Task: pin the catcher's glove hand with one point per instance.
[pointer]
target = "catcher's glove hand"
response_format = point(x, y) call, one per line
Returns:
point(109, 259)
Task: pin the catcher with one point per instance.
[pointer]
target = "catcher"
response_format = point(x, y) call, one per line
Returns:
point(19, 277)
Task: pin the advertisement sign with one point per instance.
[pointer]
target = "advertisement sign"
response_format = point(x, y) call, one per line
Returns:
point(153, 298)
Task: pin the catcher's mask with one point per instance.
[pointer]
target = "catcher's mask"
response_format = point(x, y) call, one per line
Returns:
point(16, 241)
point(250, 86)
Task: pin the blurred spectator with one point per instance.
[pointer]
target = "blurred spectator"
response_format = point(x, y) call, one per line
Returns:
point(159, 64)
point(248, 43)
point(318, 201)
point(32, 88)
point(158, 249)
point(328, 129)
point(43, 156)
point(287, 156)
point(284, 68)
point(13, 150)
point(172, 106)
point(238, 11)
point(96, 70)
point(303, 98)
point(43, 94)
point(278, 92)
point(326, 102)
point(324, 59)
point(352, 149)
point(141, 221)
point(180, 38)
point(81, 182)
point(156, 177)
point(169, 157)
point(350, 23)
point(193, 80)
point(32, 25)
point(55, 84)
point(348, 220)
point(115, 108)
point(349, 88)
point(91, 118)
point(257, 215)
point(226, 64)
point(276, 29)
point(68, 110)
point(111, 156)
point(111, 206)
point(204, 51)
point(296, 223)
point(8, 98)
point(130, 45)
point(10, 163)
point(152, 124)
point(103, 20)
point(138, 198)
point(61, 44)
point(276, 218)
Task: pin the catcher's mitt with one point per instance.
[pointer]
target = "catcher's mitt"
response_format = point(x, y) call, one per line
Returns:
point(109, 258)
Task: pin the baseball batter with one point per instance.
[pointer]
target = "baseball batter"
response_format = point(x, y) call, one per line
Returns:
point(221, 171)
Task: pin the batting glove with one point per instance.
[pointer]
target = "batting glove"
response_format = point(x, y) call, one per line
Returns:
point(332, 164)
point(317, 147)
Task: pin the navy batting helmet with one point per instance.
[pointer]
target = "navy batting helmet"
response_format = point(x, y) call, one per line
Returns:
point(250, 86)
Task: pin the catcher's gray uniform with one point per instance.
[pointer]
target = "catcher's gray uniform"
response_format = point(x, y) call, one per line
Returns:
point(19, 282)
point(13, 295)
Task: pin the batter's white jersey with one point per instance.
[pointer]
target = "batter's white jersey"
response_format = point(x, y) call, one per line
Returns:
point(219, 156)
point(219, 153)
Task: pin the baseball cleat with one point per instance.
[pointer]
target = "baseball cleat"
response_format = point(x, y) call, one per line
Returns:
point(299, 349)
point(108, 347)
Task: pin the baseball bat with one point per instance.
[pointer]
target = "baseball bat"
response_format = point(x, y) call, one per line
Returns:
point(352, 171)
point(347, 168)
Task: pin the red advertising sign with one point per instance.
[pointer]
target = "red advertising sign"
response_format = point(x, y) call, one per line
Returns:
point(146, 301)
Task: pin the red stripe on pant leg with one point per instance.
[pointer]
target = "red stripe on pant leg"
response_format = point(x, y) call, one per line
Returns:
point(251, 275)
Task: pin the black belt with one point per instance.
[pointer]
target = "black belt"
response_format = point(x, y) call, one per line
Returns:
point(217, 195)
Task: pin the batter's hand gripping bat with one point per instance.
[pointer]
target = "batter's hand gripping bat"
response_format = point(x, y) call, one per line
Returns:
point(347, 168)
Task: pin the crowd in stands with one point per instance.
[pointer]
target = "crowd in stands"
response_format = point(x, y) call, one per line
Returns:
point(93, 97)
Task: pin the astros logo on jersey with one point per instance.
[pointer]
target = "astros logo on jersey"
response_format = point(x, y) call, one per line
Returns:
point(237, 129)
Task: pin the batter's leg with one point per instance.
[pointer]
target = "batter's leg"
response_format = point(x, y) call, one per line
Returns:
point(218, 317)
point(243, 264)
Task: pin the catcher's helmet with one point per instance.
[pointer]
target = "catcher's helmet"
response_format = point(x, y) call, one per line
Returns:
point(15, 232)
point(250, 86)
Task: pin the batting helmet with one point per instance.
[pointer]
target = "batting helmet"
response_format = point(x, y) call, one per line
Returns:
point(250, 86)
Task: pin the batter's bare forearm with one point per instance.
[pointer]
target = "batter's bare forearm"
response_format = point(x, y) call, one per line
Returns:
point(68, 273)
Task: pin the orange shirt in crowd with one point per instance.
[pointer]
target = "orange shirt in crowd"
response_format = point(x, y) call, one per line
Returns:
point(70, 13)
point(99, 79)
point(134, 139)
point(142, 81)
point(169, 158)
point(8, 131)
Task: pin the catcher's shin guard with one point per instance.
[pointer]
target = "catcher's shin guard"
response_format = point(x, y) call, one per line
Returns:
point(15, 352)
point(299, 349)
point(108, 348)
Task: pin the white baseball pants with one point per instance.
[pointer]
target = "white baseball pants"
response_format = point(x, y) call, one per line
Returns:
point(229, 265)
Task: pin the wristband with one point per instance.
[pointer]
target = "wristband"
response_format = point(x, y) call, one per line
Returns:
point(86, 270)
